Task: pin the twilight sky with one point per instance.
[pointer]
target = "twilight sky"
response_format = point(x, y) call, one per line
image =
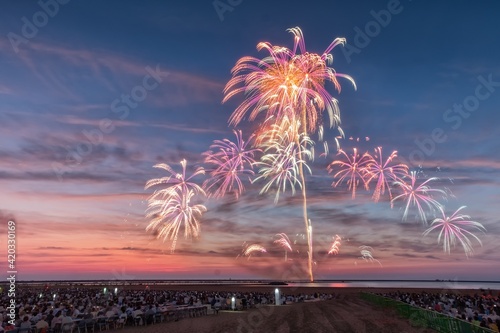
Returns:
point(76, 146)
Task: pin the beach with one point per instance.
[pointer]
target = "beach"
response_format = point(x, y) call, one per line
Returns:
point(347, 312)
point(314, 309)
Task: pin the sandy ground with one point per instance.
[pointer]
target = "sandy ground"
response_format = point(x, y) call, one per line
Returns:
point(347, 313)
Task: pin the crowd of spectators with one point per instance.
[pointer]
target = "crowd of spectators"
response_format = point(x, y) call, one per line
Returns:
point(480, 309)
point(49, 309)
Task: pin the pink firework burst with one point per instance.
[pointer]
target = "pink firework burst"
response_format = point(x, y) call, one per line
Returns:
point(232, 161)
point(283, 241)
point(418, 195)
point(384, 172)
point(335, 248)
point(453, 229)
point(353, 170)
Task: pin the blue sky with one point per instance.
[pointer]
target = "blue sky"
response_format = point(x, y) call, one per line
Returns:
point(74, 156)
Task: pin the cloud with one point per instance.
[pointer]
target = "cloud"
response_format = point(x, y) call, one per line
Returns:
point(66, 71)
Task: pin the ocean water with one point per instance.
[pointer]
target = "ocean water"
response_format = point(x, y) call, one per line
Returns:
point(423, 284)
point(445, 285)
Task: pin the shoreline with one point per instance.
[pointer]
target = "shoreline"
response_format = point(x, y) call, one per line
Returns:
point(287, 289)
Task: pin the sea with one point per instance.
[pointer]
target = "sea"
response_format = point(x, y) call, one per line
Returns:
point(424, 284)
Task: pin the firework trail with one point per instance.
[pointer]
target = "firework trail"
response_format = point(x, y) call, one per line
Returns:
point(353, 170)
point(366, 254)
point(452, 229)
point(251, 249)
point(171, 207)
point(418, 195)
point(232, 160)
point(291, 85)
point(284, 242)
point(335, 248)
point(384, 172)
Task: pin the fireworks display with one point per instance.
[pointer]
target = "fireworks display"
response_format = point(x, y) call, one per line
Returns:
point(283, 157)
point(286, 83)
point(335, 248)
point(232, 160)
point(284, 242)
point(353, 170)
point(253, 248)
point(385, 173)
point(366, 254)
point(418, 196)
point(453, 228)
point(169, 208)
point(286, 91)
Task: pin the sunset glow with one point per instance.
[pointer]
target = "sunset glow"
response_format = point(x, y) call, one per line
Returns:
point(168, 141)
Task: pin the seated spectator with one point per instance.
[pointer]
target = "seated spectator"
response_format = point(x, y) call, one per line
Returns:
point(110, 313)
point(67, 322)
point(25, 323)
point(42, 325)
point(56, 320)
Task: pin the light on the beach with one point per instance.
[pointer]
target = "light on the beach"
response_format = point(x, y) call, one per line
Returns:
point(233, 303)
point(277, 296)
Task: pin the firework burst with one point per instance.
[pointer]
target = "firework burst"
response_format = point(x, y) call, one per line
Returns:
point(286, 82)
point(171, 207)
point(287, 86)
point(418, 196)
point(282, 160)
point(353, 170)
point(366, 254)
point(231, 160)
point(254, 248)
point(335, 248)
point(284, 242)
point(384, 172)
point(452, 229)
point(167, 216)
point(175, 182)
